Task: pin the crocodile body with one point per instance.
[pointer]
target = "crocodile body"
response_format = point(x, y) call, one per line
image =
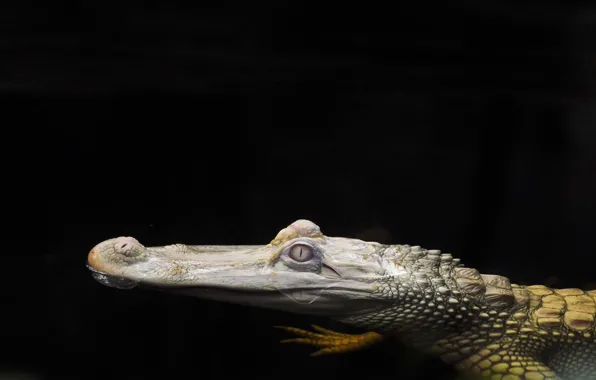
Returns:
point(482, 324)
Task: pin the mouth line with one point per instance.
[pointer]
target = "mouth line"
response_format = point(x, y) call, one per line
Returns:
point(127, 283)
point(119, 282)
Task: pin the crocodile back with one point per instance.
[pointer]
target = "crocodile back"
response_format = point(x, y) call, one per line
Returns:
point(568, 311)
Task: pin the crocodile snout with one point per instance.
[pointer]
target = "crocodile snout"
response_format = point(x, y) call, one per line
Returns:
point(111, 255)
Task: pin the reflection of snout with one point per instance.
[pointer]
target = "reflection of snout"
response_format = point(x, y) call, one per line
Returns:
point(112, 281)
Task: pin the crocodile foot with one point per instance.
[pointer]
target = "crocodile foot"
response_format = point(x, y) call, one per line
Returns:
point(331, 342)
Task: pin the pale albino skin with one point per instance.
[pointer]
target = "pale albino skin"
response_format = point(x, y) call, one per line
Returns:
point(482, 324)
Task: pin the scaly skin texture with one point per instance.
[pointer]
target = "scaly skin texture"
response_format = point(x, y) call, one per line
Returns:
point(481, 324)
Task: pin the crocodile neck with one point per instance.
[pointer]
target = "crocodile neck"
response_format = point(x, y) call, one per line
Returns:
point(436, 297)
point(445, 308)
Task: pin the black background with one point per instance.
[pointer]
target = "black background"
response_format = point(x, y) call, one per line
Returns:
point(463, 127)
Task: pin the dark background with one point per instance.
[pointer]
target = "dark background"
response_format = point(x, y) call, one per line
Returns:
point(463, 127)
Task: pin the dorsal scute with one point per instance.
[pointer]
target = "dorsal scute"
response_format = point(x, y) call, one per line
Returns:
point(522, 295)
point(469, 281)
point(407, 255)
point(496, 280)
point(428, 261)
point(571, 307)
point(498, 292)
point(580, 314)
point(469, 273)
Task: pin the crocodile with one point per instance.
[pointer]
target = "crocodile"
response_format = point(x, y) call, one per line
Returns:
point(481, 324)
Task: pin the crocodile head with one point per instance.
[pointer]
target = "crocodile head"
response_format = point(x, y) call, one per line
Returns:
point(300, 270)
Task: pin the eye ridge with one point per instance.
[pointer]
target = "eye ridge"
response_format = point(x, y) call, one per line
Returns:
point(301, 253)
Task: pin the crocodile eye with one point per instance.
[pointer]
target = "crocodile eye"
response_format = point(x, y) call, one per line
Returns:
point(301, 253)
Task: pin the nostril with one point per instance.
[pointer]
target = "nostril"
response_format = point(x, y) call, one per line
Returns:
point(128, 246)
